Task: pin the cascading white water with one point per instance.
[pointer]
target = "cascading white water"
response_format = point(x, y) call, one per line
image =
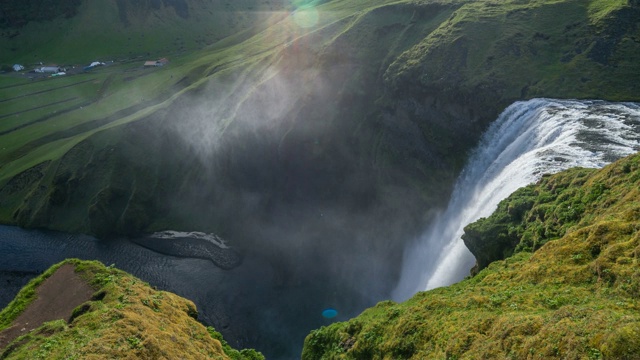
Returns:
point(530, 138)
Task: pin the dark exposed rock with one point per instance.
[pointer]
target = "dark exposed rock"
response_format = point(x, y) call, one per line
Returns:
point(17, 13)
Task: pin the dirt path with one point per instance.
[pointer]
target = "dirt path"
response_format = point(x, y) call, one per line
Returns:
point(56, 298)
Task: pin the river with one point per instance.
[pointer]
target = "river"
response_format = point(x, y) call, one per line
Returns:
point(246, 303)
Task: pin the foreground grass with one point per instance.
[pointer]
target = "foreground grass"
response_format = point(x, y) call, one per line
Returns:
point(575, 297)
point(126, 318)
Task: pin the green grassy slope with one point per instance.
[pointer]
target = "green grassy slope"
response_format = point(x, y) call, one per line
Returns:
point(360, 110)
point(122, 29)
point(238, 73)
point(575, 297)
point(511, 49)
point(536, 214)
point(340, 125)
point(126, 318)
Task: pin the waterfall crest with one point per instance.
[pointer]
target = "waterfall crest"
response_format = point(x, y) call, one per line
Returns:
point(529, 139)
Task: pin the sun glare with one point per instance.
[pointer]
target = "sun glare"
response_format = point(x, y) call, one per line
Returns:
point(306, 17)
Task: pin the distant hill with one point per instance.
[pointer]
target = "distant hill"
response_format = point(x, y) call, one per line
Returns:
point(379, 101)
point(82, 309)
point(71, 31)
point(16, 14)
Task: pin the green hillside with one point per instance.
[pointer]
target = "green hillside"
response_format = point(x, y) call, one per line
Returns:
point(379, 100)
point(83, 31)
point(299, 128)
point(333, 127)
point(568, 291)
point(124, 319)
point(340, 125)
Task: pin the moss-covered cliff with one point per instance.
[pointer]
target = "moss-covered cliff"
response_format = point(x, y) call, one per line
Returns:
point(365, 111)
point(121, 317)
point(370, 103)
point(335, 129)
point(558, 204)
point(72, 31)
point(567, 288)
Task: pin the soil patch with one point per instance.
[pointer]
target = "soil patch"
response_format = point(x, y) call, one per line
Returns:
point(56, 298)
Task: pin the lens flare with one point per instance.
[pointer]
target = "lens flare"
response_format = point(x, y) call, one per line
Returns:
point(306, 17)
point(329, 313)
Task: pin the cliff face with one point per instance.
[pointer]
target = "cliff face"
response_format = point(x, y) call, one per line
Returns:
point(82, 309)
point(348, 121)
point(530, 217)
point(557, 205)
point(539, 213)
point(370, 104)
point(568, 291)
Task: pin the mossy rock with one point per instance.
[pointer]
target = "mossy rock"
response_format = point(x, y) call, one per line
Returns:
point(124, 318)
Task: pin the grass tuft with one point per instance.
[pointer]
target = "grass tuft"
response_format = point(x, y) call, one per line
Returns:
point(128, 319)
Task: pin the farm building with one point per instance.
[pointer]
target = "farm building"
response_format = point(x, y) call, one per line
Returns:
point(49, 69)
point(153, 63)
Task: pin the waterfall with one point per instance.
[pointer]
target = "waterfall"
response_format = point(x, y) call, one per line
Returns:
point(529, 139)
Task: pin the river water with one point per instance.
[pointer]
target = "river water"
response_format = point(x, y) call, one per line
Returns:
point(247, 303)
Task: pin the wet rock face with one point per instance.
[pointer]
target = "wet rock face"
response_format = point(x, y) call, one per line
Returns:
point(193, 245)
point(449, 123)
